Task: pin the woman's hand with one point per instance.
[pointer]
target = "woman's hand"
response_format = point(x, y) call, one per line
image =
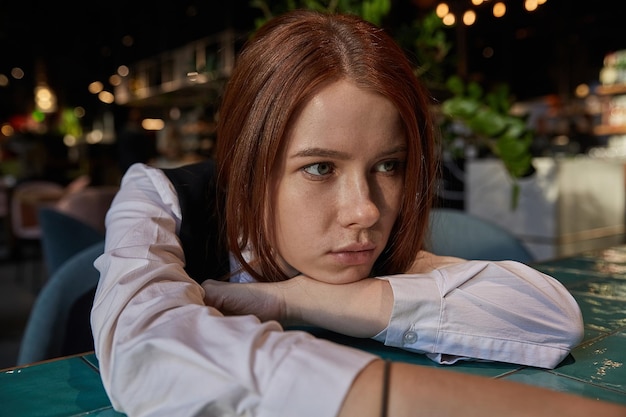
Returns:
point(360, 309)
point(262, 299)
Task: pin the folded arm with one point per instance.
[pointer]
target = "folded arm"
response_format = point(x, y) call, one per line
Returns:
point(448, 308)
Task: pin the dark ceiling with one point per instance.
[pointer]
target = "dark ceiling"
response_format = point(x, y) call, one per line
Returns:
point(549, 51)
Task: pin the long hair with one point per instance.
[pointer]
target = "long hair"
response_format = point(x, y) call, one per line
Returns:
point(280, 68)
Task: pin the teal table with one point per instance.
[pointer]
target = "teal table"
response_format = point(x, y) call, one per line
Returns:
point(596, 368)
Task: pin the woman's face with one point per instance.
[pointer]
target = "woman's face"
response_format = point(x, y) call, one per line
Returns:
point(339, 184)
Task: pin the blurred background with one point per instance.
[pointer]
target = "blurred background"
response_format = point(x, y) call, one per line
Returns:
point(88, 88)
point(71, 73)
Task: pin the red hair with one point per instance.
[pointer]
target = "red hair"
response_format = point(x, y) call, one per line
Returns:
point(287, 62)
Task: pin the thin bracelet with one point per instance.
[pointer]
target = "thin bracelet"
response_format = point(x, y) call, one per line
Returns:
point(385, 400)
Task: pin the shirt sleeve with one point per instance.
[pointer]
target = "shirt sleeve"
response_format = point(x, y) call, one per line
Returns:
point(496, 311)
point(162, 352)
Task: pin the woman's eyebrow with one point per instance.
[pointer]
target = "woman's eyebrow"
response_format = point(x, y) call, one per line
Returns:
point(320, 152)
point(331, 153)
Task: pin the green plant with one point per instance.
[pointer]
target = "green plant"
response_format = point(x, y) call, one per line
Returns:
point(486, 122)
point(371, 10)
point(426, 41)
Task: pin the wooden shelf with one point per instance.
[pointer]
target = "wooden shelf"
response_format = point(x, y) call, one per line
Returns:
point(602, 130)
point(607, 90)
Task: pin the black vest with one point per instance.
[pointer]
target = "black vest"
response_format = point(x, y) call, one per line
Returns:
point(205, 256)
point(205, 251)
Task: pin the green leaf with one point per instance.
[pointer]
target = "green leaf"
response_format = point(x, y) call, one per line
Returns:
point(514, 153)
point(455, 85)
point(488, 122)
point(474, 90)
point(459, 107)
point(516, 127)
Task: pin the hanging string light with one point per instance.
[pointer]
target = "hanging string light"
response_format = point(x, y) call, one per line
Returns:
point(448, 12)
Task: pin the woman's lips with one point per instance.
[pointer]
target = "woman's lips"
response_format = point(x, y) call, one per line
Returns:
point(355, 254)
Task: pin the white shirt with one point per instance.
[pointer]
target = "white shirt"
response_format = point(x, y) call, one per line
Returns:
point(162, 352)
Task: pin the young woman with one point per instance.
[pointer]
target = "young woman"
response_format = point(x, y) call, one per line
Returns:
point(325, 170)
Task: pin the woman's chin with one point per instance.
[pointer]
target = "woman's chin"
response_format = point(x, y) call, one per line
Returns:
point(345, 276)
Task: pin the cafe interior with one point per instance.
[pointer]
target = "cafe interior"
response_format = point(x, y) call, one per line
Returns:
point(78, 81)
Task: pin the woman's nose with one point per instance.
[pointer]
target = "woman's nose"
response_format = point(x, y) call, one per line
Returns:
point(358, 207)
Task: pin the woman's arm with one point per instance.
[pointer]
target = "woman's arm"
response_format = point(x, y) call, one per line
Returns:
point(416, 391)
point(447, 308)
point(163, 352)
point(359, 309)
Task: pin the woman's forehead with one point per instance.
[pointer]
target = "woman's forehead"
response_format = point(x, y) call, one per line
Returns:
point(343, 111)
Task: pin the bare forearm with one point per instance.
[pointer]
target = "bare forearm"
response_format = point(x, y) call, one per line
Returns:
point(359, 309)
point(422, 391)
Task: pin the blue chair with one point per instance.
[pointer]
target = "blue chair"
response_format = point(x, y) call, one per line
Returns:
point(458, 233)
point(53, 330)
point(62, 236)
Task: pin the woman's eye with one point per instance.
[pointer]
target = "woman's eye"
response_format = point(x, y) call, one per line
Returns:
point(319, 169)
point(388, 166)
